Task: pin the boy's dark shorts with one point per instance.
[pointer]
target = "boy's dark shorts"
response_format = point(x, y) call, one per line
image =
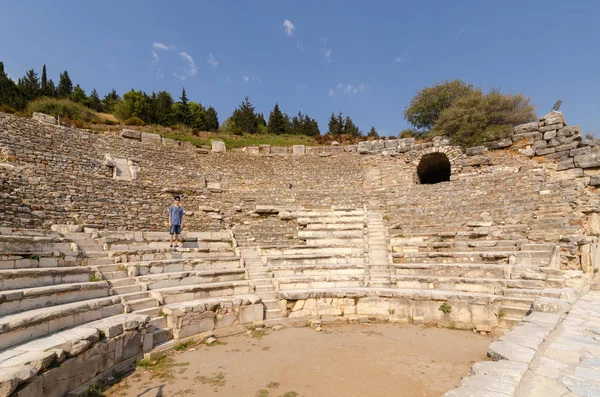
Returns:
point(175, 229)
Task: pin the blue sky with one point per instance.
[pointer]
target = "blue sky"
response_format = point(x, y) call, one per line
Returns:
point(364, 58)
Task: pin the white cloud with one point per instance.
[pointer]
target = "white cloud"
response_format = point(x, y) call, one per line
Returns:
point(154, 57)
point(212, 61)
point(161, 46)
point(400, 59)
point(246, 78)
point(159, 74)
point(300, 45)
point(347, 89)
point(327, 54)
point(191, 65)
point(289, 27)
point(179, 76)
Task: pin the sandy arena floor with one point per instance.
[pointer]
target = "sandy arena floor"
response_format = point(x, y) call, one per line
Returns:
point(342, 360)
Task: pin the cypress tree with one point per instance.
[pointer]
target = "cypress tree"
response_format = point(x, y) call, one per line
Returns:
point(373, 133)
point(44, 80)
point(94, 101)
point(110, 100)
point(79, 95)
point(183, 115)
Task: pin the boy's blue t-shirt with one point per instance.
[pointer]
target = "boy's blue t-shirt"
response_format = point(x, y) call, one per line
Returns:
point(176, 214)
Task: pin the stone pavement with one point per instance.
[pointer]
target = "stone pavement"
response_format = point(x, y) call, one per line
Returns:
point(568, 362)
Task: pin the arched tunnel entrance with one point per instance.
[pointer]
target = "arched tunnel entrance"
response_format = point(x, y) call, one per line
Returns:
point(433, 168)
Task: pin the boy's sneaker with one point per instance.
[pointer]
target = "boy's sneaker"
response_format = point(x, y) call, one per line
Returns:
point(171, 246)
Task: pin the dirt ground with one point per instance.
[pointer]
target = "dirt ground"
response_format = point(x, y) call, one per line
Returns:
point(342, 360)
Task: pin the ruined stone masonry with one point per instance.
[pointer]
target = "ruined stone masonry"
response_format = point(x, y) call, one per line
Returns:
point(501, 239)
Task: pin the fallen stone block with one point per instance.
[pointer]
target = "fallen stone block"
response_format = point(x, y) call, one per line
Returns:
point(148, 137)
point(528, 127)
point(253, 150)
point(44, 118)
point(131, 134)
point(218, 146)
point(266, 209)
point(551, 305)
point(500, 144)
point(364, 147)
point(509, 351)
point(298, 150)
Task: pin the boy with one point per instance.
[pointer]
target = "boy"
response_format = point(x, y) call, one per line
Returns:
point(175, 221)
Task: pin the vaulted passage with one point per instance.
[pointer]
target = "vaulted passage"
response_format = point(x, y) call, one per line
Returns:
point(433, 168)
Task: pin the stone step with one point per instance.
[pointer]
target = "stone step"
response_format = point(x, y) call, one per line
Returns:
point(475, 270)
point(521, 302)
point(11, 279)
point(101, 261)
point(273, 313)
point(507, 322)
point(262, 281)
point(153, 311)
point(513, 311)
point(335, 234)
point(563, 293)
point(126, 289)
point(335, 242)
point(162, 335)
point(271, 304)
point(264, 288)
point(159, 322)
point(135, 296)
point(268, 295)
point(335, 226)
point(115, 275)
point(144, 303)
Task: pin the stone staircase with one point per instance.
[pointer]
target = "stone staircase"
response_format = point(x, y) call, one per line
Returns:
point(378, 255)
point(261, 278)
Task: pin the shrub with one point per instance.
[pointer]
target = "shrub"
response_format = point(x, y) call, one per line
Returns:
point(409, 133)
point(72, 123)
point(6, 109)
point(429, 103)
point(477, 118)
point(134, 121)
point(65, 108)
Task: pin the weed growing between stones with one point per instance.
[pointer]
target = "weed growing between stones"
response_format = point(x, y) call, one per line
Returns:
point(98, 388)
point(445, 308)
point(501, 313)
point(94, 279)
point(258, 333)
point(161, 367)
point(181, 346)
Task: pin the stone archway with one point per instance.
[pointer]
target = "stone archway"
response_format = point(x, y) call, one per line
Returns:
point(434, 168)
point(433, 163)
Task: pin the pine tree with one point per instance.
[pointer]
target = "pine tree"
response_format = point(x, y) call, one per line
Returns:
point(9, 92)
point(277, 121)
point(94, 101)
point(163, 107)
point(65, 86)
point(336, 124)
point(212, 121)
point(30, 85)
point(110, 100)
point(261, 119)
point(183, 111)
point(50, 89)
point(373, 133)
point(79, 95)
point(351, 129)
point(245, 118)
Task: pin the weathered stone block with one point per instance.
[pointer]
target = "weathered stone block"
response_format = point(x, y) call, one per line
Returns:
point(298, 150)
point(550, 134)
point(148, 137)
point(478, 160)
point(377, 145)
point(391, 144)
point(264, 149)
point(280, 150)
point(44, 118)
point(131, 134)
point(568, 146)
point(218, 146)
point(589, 160)
point(551, 127)
point(253, 150)
point(524, 128)
point(475, 150)
point(580, 151)
point(500, 144)
point(251, 313)
point(364, 147)
point(543, 152)
point(350, 148)
point(565, 164)
point(540, 145)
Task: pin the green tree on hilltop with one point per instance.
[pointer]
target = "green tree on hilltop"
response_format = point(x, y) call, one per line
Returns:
point(212, 121)
point(29, 85)
point(429, 103)
point(110, 100)
point(277, 121)
point(261, 120)
point(79, 95)
point(65, 85)
point(244, 118)
point(351, 129)
point(373, 133)
point(336, 124)
point(183, 110)
point(9, 92)
point(94, 102)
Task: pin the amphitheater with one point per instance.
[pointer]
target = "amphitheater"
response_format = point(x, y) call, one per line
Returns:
point(501, 239)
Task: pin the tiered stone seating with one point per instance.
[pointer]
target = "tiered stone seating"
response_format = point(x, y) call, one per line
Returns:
point(483, 235)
